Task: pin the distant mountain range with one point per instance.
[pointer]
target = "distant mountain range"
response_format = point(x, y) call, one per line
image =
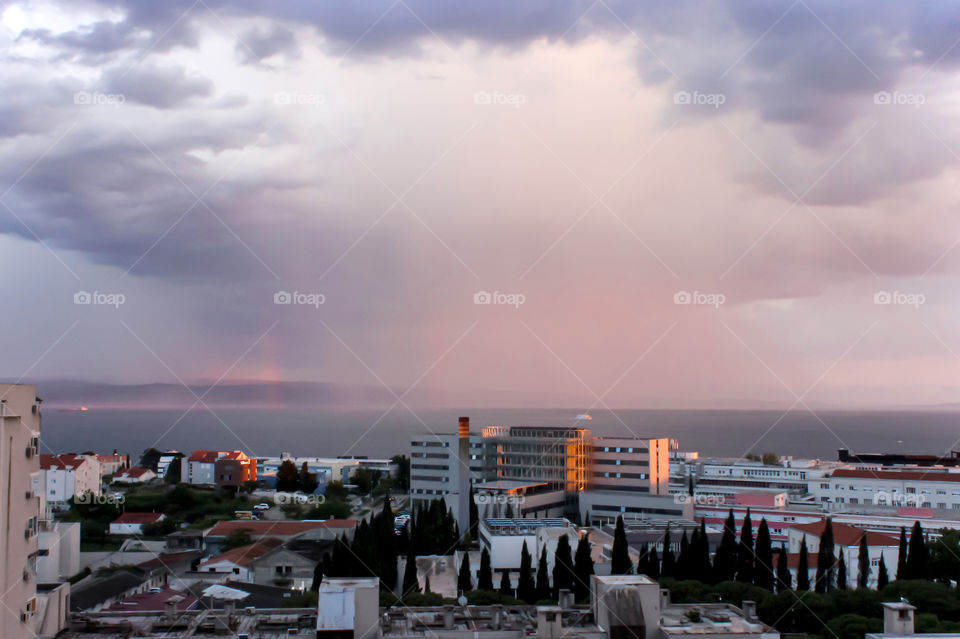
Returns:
point(71, 395)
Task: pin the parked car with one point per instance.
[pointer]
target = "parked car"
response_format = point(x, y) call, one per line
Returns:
point(262, 506)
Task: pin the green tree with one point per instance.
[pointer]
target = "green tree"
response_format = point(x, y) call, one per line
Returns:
point(784, 580)
point(306, 481)
point(863, 563)
point(763, 567)
point(620, 563)
point(464, 580)
point(668, 561)
point(902, 570)
point(704, 569)
point(474, 514)
point(385, 540)
point(849, 626)
point(944, 558)
point(287, 476)
point(826, 560)
point(882, 577)
point(485, 576)
point(335, 490)
point(543, 577)
point(174, 471)
point(582, 568)
point(505, 587)
point(403, 471)
point(563, 575)
point(526, 588)
point(803, 568)
point(842, 573)
point(410, 583)
point(150, 459)
point(725, 558)
point(918, 557)
point(745, 556)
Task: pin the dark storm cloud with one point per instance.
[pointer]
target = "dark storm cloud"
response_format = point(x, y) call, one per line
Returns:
point(161, 87)
point(257, 44)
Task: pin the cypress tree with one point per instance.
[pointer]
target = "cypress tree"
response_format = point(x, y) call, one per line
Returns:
point(745, 557)
point(543, 578)
point(485, 576)
point(918, 559)
point(318, 574)
point(582, 568)
point(474, 514)
point(882, 577)
point(563, 575)
point(784, 580)
point(803, 568)
point(386, 546)
point(725, 559)
point(842, 573)
point(668, 562)
point(505, 587)
point(464, 580)
point(863, 563)
point(526, 590)
point(410, 582)
point(653, 563)
point(682, 569)
point(426, 585)
point(902, 570)
point(826, 560)
point(703, 567)
point(763, 566)
point(620, 563)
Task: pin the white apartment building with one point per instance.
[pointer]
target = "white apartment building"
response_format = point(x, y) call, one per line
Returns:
point(937, 489)
point(440, 469)
point(69, 476)
point(631, 464)
point(794, 476)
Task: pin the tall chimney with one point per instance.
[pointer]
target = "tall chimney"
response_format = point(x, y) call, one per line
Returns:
point(464, 430)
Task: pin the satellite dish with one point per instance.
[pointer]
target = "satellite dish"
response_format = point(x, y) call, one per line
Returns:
point(462, 600)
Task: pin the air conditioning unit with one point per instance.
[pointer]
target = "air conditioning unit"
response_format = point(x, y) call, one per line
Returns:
point(27, 533)
point(29, 494)
point(23, 617)
point(29, 452)
point(26, 576)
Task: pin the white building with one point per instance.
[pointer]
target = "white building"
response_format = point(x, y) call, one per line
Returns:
point(936, 488)
point(236, 562)
point(846, 543)
point(133, 523)
point(135, 475)
point(504, 539)
point(58, 551)
point(69, 476)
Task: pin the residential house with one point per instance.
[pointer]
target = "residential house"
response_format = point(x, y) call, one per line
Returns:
point(236, 562)
point(283, 530)
point(111, 464)
point(135, 475)
point(290, 565)
point(69, 476)
point(133, 523)
point(201, 468)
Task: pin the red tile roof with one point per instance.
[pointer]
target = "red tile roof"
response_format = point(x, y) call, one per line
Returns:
point(67, 461)
point(136, 471)
point(898, 475)
point(138, 518)
point(279, 528)
point(844, 535)
point(155, 601)
point(793, 560)
point(243, 555)
point(210, 456)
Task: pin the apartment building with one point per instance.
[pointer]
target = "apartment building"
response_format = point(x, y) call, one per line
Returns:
point(69, 476)
point(793, 476)
point(113, 463)
point(934, 488)
point(19, 461)
point(218, 468)
point(440, 468)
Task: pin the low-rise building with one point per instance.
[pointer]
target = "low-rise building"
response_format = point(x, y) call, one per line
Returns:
point(218, 468)
point(290, 565)
point(236, 561)
point(936, 488)
point(328, 529)
point(132, 523)
point(846, 543)
point(111, 464)
point(135, 475)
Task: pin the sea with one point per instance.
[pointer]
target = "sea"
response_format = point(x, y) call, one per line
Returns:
point(329, 433)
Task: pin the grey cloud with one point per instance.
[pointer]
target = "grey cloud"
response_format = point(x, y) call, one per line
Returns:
point(161, 87)
point(257, 44)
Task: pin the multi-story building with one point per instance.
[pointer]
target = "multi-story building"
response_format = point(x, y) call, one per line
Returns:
point(218, 468)
point(936, 488)
point(793, 476)
point(69, 475)
point(846, 540)
point(111, 464)
point(602, 477)
point(25, 612)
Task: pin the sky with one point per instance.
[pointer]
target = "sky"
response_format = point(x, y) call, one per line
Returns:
point(588, 204)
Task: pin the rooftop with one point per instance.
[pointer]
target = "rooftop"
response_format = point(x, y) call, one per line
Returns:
point(845, 535)
point(276, 528)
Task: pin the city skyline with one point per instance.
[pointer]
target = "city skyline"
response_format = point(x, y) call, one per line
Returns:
point(590, 205)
